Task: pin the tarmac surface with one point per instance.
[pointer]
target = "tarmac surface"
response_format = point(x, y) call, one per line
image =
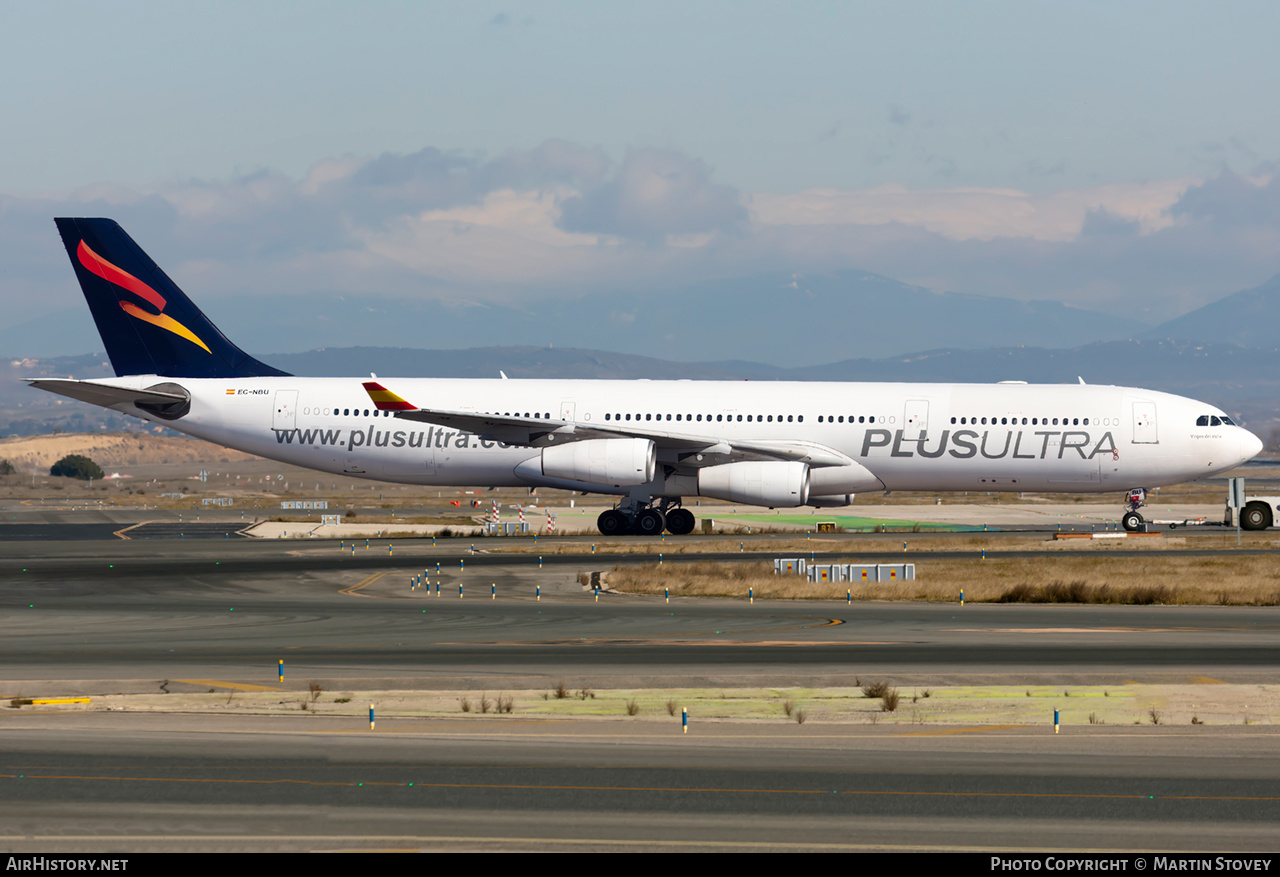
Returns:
point(97, 616)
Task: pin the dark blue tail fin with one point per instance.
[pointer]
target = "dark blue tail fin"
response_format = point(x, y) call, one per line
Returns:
point(146, 322)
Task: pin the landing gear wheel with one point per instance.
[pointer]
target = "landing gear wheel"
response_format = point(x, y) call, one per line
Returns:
point(612, 523)
point(1255, 516)
point(680, 522)
point(1132, 521)
point(650, 522)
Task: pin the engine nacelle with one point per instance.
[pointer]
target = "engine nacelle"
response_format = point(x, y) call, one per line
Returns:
point(774, 484)
point(838, 501)
point(830, 481)
point(602, 461)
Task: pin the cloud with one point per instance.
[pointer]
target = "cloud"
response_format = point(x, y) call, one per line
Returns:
point(564, 220)
point(656, 193)
point(1233, 200)
point(972, 213)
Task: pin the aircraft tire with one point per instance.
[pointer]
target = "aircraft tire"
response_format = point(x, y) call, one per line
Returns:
point(1132, 521)
point(612, 523)
point(650, 522)
point(1255, 516)
point(680, 522)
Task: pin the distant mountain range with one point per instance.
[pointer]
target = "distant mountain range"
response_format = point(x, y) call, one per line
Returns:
point(787, 320)
point(1249, 318)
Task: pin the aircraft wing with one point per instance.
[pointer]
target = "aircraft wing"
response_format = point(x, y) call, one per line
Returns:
point(687, 449)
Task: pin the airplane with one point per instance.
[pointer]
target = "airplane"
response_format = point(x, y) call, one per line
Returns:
point(652, 444)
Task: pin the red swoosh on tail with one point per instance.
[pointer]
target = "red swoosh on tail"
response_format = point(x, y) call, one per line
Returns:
point(104, 269)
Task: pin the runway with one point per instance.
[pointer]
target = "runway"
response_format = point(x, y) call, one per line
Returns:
point(297, 784)
point(148, 616)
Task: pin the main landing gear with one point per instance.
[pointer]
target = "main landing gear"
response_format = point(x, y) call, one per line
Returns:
point(646, 520)
point(1132, 520)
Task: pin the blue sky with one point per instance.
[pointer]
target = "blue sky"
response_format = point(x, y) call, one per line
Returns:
point(1117, 156)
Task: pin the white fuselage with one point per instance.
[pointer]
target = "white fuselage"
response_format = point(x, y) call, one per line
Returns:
point(930, 437)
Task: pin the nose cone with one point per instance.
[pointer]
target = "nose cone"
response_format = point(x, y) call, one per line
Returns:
point(1250, 446)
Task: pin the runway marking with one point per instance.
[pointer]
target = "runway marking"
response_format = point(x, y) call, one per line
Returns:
point(121, 532)
point(535, 787)
point(1205, 680)
point(234, 686)
point(352, 591)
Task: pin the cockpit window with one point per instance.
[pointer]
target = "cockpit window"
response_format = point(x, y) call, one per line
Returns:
point(1202, 420)
point(1214, 421)
point(1227, 421)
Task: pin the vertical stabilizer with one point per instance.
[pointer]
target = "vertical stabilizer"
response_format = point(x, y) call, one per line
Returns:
point(147, 323)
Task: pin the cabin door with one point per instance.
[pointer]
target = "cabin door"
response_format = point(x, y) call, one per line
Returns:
point(1144, 423)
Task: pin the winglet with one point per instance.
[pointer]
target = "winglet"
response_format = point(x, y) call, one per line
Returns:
point(385, 400)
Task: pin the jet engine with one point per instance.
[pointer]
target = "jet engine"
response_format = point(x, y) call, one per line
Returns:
point(602, 461)
point(773, 484)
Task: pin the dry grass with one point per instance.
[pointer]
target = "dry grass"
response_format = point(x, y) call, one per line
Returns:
point(1233, 580)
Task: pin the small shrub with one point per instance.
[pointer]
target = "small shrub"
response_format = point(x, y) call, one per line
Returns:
point(873, 690)
point(465, 704)
point(485, 703)
point(889, 701)
point(1154, 715)
point(633, 707)
point(1195, 720)
point(800, 716)
point(560, 691)
point(672, 707)
point(788, 706)
point(505, 703)
point(76, 466)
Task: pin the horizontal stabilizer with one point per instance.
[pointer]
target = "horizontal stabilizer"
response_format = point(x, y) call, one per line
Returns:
point(106, 395)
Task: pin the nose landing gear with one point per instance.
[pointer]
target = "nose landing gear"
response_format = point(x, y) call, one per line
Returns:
point(1133, 520)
